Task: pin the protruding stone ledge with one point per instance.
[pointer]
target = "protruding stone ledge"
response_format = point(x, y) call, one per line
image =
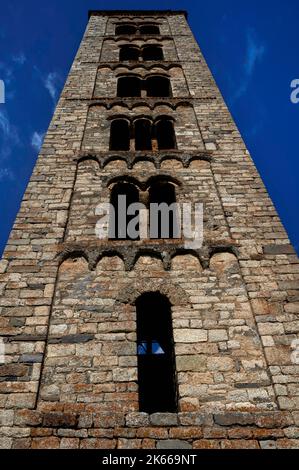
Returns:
point(27, 338)
point(130, 252)
point(285, 249)
point(137, 13)
point(131, 158)
point(72, 339)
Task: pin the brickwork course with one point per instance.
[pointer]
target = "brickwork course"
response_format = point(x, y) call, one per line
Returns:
point(67, 306)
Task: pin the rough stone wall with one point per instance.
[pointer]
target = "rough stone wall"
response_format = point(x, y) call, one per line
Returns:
point(68, 300)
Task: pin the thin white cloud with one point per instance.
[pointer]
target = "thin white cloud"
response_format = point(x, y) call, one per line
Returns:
point(6, 174)
point(6, 73)
point(9, 136)
point(4, 124)
point(255, 51)
point(8, 131)
point(19, 59)
point(37, 140)
point(51, 82)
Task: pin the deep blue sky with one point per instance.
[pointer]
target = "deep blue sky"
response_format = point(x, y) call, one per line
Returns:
point(251, 47)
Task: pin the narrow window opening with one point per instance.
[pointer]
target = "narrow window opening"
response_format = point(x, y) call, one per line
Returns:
point(165, 135)
point(155, 348)
point(158, 87)
point(128, 87)
point(143, 135)
point(165, 222)
point(120, 135)
point(152, 53)
point(122, 195)
point(128, 53)
point(149, 29)
point(125, 29)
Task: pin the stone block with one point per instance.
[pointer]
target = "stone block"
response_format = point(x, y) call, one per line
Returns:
point(190, 335)
point(174, 444)
point(163, 419)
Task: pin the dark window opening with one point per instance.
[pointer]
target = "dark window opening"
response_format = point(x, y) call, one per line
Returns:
point(143, 135)
point(122, 195)
point(120, 135)
point(128, 53)
point(149, 29)
point(152, 53)
point(165, 135)
point(164, 223)
point(156, 362)
point(125, 29)
point(129, 87)
point(158, 87)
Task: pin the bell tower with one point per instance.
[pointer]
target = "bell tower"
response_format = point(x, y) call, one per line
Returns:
point(115, 337)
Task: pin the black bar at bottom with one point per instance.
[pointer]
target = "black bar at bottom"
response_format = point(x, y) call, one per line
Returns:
point(100, 458)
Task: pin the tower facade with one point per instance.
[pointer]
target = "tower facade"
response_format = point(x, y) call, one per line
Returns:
point(119, 341)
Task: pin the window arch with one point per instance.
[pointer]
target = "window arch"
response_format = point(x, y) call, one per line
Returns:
point(152, 53)
point(122, 195)
point(164, 223)
point(155, 350)
point(143, 134)
point(127, 29)
point(129, 86)
point(129, 53)
point(120, 135)
point(149, 29)
point(158, 86)
point(165, 134)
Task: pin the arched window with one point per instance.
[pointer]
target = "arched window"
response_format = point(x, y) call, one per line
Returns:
point(149, 29)
point(120, 135)
point(128, 86)
point(129, 53)
point(165, 135)
point(158, 87)
point(143, 134)
point(152, 53)
point(122, 195)
point(155, 349)
point(126, 29)
point(164, 217)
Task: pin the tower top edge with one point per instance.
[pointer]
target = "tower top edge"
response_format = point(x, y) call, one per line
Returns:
point(136, 12)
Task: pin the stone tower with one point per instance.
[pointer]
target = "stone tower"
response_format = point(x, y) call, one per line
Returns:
point(122, 343)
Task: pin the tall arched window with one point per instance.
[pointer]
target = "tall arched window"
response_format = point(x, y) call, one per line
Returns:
point(129, 86)
point(158, 86)
point(164, 217)
point(143, 134)
point(155, 349)
point(165, 134)
point(152, 53)
point(149, 29)
point(122, 195)
point(120, 135)
point(126, 29)
point(129, 53)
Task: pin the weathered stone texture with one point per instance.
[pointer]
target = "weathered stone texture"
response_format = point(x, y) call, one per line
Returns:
point(67, 303)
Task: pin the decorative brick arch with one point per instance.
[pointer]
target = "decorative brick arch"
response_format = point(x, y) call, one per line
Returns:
point(175, 294)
